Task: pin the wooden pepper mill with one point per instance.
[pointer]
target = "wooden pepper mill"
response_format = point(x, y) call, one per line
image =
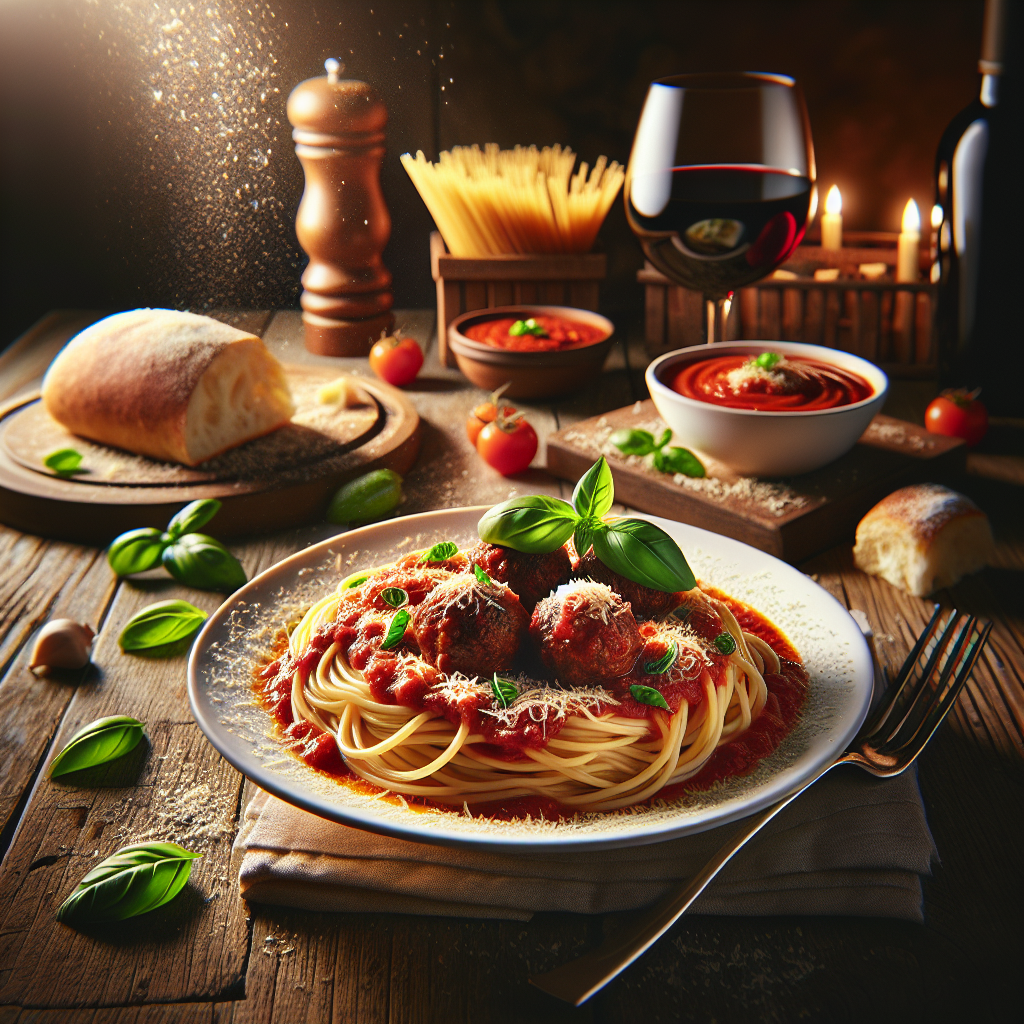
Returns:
point(342, 222)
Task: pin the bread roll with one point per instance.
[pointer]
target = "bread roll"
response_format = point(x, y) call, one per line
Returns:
point(170, 385)
point(923, 538)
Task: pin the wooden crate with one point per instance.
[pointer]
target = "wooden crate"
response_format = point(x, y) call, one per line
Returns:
point(891, 324)
point(560, 279)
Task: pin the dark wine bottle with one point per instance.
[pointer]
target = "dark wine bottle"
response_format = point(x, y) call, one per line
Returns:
point(959, 191)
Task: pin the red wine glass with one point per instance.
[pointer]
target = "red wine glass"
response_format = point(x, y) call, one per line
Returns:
point(721, 181)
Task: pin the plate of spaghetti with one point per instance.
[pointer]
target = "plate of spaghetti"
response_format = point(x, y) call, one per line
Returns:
point(418, 679)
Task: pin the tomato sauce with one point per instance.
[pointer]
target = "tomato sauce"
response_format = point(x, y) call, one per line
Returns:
point(794, 384)
point(559, 333)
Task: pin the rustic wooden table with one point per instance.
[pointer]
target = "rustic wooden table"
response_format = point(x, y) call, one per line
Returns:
point(209, 957)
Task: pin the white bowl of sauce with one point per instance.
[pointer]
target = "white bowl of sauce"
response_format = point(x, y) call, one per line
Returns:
point(766, 408)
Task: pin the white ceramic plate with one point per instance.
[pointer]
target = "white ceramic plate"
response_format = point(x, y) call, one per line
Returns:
point(832, 647)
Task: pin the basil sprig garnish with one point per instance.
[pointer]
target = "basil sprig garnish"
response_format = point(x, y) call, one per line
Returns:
point(394, 596)
point(648, 695)
point(396, 630)
point(440, 552)
point(64, 461)
point(504, 690)
point(661, 665)
point(97, 743)
point(529, 326)
point(161, 629)
point(193, 559)
point(766, 360)
point(725, 643)
point(481, 576)
point(634, 548)
point(666, 460)
point(132, 881)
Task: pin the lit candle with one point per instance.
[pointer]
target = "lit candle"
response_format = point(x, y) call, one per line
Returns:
point(937, 217)
point(832, 220)
point(909, 243)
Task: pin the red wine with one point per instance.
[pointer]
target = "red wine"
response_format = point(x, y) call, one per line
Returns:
point(719, 227)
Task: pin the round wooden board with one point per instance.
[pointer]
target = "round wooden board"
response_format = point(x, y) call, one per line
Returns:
point(283, 480)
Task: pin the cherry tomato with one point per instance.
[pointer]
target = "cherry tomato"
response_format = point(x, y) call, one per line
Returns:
point(507, 445)
point(396, 360)
point(486, 412)
point(957, 414)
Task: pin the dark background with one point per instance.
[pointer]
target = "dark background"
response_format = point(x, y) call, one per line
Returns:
point(147, 160)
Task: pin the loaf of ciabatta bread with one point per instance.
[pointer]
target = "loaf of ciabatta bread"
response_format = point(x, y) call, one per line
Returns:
point(923, 538)
point(170, 385)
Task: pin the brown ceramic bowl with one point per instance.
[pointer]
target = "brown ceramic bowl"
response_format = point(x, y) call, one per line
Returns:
point(529, 374)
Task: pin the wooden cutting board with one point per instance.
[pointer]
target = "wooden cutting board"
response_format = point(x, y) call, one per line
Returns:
point(284, 479)
point(792, 519)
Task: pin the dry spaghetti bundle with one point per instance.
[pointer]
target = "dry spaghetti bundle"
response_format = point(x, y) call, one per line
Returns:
point(495, 201)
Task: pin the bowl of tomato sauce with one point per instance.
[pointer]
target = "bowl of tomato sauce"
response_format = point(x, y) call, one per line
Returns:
point(538, 351)
point(767, 408)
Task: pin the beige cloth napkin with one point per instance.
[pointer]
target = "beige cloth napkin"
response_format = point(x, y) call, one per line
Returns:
point(850, 845)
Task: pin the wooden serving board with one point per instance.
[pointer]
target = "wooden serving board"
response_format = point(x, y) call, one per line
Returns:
point(792, 519)
point(284, 479)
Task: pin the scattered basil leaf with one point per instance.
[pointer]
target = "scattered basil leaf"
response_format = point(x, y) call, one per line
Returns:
point(64, 461)
point(595, 492)
point(394, 596)
point(664, 439)
point(679, 460)
point(193, 516)
point(648, 695)
point(103, 740)
point(725, 643)
point(504, 690)
point(356, 581)
point(633, 442)
point(530, 326)
point(535, 524)
point(160, 626)
point(396, 630)
point(440, 552)
point(202, 562)
point(366, 498)
point(645, 554)
point(664, 663)
point(481, 575)
point(766, 360)
point(136, 550)
point(132, 881)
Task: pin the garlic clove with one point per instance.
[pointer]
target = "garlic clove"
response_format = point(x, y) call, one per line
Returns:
point(62, 643)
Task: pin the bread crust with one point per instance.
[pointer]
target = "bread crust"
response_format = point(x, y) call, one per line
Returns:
point(127, 380)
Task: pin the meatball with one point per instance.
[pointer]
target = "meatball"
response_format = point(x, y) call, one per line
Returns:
point(646, 602)
point(531, 577)
point(585, 632)
point(467, 626)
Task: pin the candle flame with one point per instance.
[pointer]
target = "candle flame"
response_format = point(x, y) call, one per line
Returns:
point(937, 216)
point(833, 201)
point(911, 217)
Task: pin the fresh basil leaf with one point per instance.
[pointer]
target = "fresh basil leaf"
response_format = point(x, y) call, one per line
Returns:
point(481, 575)
point(664, 663)
point(396, 630)
point(132, 881)
point(725, 643)
point(440, 552)
point(356, 581)
point(679, 460)
point(645, 554)
point(136, 550)
point(394, 596)
point(530, 326)
point(583, 535)
point(505, 691)
point(193, 516)
point(366, 498)
point(160, 625)
point(535, 524)
point(766, 360)
point(633, 442)
point(103, 740)
point(595, 492)
point(64, 461)
point(664, 439)
point(202, 562)
point(648, 695)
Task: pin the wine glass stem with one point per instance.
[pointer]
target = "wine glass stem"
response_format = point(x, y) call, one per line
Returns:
point(718, 317)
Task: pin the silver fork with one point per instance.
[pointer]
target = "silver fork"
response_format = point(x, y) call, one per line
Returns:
point(911, 710)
